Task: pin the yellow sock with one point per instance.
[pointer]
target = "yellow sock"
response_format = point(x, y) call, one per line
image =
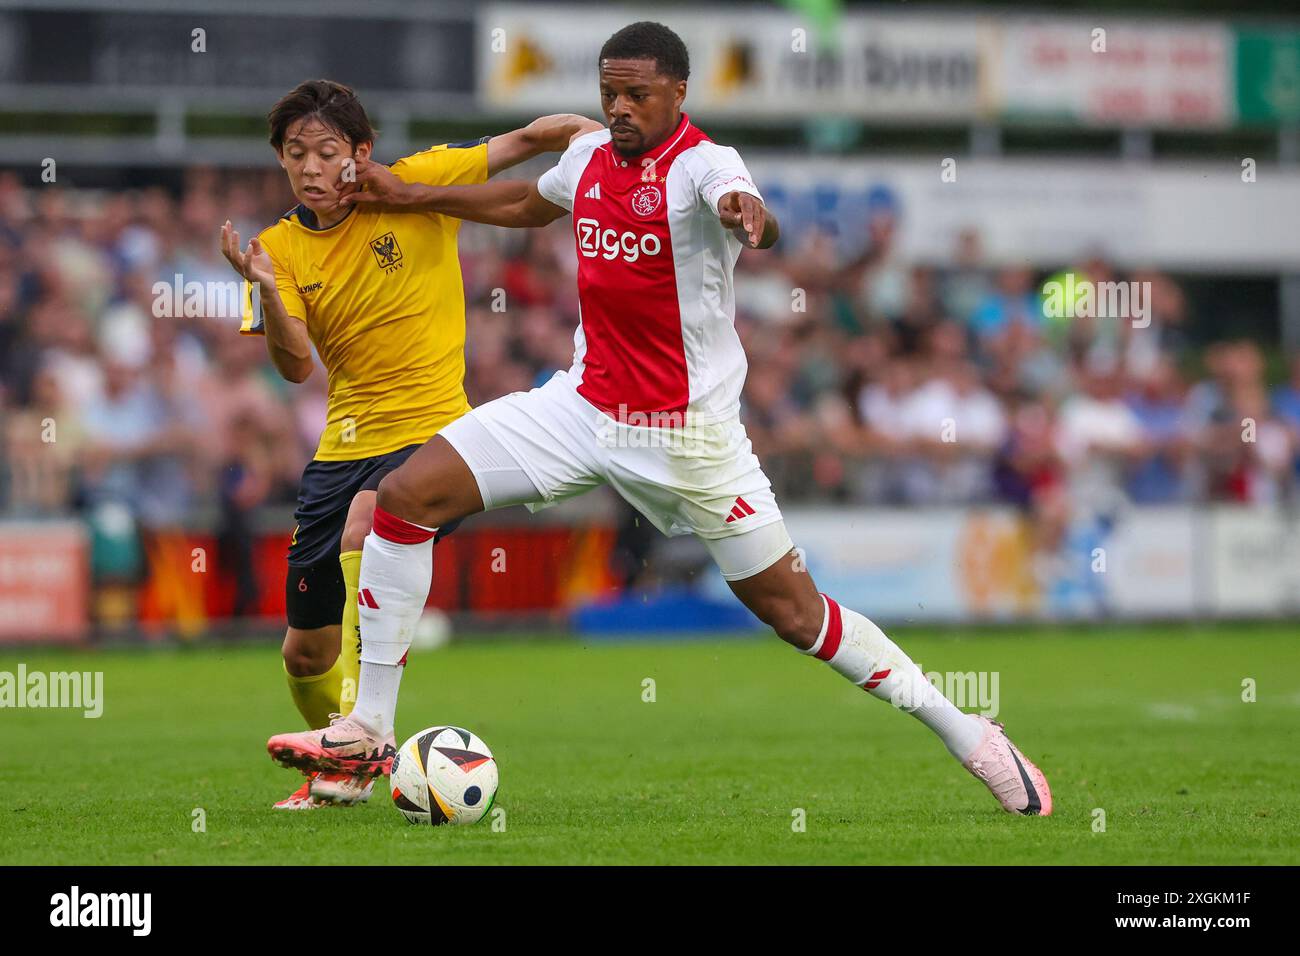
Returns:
point(350, 652)
point(317, 696)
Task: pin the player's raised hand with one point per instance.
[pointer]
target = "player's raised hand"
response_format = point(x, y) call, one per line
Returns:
point(744, 214)
point(230, 247)
point(253, 263)
point(374, 184)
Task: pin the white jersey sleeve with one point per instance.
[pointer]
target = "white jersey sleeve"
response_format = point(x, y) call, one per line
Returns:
point(719, 170)
point(558, 184)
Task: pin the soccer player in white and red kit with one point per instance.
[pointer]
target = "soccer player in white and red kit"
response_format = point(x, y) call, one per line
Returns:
point(650, 407)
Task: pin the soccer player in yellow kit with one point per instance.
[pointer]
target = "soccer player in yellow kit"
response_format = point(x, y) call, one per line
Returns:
point(379, 294)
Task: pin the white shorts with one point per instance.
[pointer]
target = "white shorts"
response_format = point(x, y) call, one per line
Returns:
point(540, 447)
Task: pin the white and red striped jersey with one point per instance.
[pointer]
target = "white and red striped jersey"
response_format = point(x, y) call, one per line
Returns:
point(656, 338)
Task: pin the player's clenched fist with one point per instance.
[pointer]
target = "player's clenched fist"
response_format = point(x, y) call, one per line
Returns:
point(253, 263)
point(746, 215)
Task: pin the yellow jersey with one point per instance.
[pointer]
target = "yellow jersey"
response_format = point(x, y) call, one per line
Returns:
point(382, 296)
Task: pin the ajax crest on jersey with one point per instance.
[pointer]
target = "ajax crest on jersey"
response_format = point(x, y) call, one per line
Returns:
point(444, 775)
point(646, 200)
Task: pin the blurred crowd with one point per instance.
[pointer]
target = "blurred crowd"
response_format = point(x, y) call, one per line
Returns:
point(872, 379)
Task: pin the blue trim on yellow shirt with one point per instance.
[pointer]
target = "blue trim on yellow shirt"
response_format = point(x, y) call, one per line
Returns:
point(307, 219)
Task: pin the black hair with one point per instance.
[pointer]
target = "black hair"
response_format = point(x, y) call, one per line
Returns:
point(646, 40)
point(333, 104)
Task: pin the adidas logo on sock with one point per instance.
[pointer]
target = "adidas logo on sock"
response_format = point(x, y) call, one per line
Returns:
point(874, 680)
point(366, 599)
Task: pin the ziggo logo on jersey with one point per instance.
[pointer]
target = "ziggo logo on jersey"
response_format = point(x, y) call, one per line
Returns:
point(608, 243)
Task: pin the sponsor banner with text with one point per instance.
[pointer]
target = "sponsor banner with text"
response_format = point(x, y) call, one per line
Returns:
point(44, 581)
point(767, 64)
point(987, 564)
point(1105, 72)
point(901, 66)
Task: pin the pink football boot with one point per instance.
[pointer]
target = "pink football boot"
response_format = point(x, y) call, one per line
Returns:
point(1018, 785)
point(345, 746)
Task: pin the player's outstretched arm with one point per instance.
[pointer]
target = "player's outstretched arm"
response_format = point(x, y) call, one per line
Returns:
point(546, 134)
point(512, 202)
point(287, 341)
point(749, 219)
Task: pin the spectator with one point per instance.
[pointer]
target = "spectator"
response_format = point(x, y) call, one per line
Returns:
point(1100, 439)
point(1157, 403)
point(954, 426)
point(1013, 301)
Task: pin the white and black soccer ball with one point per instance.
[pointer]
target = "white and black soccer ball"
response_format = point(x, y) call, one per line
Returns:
point(444, 775)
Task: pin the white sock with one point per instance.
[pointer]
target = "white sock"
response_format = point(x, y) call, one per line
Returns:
point(860, 651)
point(376, 705)
point(396, 570)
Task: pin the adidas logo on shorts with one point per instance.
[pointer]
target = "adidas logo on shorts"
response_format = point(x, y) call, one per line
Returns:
point(740, 509)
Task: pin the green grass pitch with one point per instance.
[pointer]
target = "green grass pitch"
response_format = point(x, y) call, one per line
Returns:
point(1145, 724)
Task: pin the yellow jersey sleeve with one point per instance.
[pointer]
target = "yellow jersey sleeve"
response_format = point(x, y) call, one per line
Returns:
point(275, 244)
point(445, 165)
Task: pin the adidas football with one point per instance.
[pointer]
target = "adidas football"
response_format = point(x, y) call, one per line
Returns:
point(444, 775)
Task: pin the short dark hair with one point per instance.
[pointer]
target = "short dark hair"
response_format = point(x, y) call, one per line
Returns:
point(646, 40)
point(333, 104)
